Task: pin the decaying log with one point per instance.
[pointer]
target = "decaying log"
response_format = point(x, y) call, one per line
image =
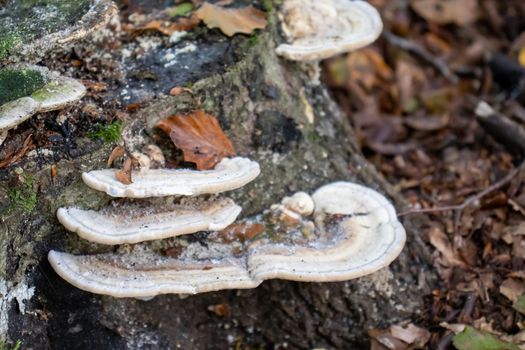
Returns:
point(264, 104)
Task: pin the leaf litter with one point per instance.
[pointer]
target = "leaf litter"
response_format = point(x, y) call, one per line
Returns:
point(411, 99)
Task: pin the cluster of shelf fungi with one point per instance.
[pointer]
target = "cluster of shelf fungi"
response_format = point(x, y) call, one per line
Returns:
point(342, 231)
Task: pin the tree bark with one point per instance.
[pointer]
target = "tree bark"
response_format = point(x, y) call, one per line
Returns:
point(265, 105)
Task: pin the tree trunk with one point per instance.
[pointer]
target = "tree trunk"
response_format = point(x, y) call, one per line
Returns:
point(274, 114)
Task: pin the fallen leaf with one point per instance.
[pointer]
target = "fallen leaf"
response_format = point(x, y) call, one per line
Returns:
point(412, 334)
point(472, 339)
point(124, 175)
point(183, 9)
point(222, 310)
point(168, 28)
point(177, 90)
point(440, 241)
point(512, 289)
point(115, 154)
point(231, 21)
point(460, 12)
point(519, 304)
point(241, 231)
point(383, 337)
point(95, 86)
point(200, 138)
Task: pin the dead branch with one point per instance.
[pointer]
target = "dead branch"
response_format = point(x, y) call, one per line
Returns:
point(422, 53)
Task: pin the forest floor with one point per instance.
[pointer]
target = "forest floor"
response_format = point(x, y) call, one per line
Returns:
point(412, 99)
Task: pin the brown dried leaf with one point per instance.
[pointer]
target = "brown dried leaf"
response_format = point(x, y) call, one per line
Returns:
point(223, 310)
point(441, 242)
point(177, 90)
point(512, 288)
point(200, 137)
point(124, 175)
point(412, 334)
point(168, 27)
point(231, 21)
point(383, 337)
point(460, 12)
point(115, 154)
point(241, 231)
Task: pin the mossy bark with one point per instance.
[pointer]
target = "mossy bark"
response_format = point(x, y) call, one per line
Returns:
point(265, 105)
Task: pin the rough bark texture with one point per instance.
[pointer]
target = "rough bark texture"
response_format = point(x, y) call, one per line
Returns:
point(262, 103)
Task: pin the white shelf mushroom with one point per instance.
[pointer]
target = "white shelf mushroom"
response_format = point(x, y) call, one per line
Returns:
point(318, 30)
point(229, 174)
point(366, 238)
point(150, 275)
point(56, 93)
point(357, 234)
point(135, 223)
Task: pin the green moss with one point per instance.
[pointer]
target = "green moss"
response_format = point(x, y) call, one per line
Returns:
point(16, 346)
point(108, 133)
point(50, 90)
point(23, 21)
point(9, 41)
point(252, 41)
point(16, 83)
point(23, 197)
point(183, 9)
point(268, 5)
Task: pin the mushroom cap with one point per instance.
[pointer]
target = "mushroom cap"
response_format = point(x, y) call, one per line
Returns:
point(59, 94)
point(32, 89)
point(33, 27)
point(367, 238)
point(300, 203)
point(229, 174)
point(361, 237)
point(16, 112)
point(134, 223)
point(149, 275)
point(322, 29)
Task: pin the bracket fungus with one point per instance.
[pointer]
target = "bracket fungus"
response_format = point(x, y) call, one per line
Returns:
point(33, 27)
point(134, 223)
point(228, 174)
point(26, 90)
point(318, 30)
point(356, 232)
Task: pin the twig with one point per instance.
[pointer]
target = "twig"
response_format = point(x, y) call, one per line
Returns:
point(472, 199)
point(417, 50)
point(503, 129)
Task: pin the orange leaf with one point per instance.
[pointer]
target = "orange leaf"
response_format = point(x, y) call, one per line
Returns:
point(116, 153)
point(177, 90)
point(124, 175)
point(230, 21)
point(200, 138)
point(168, 27)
